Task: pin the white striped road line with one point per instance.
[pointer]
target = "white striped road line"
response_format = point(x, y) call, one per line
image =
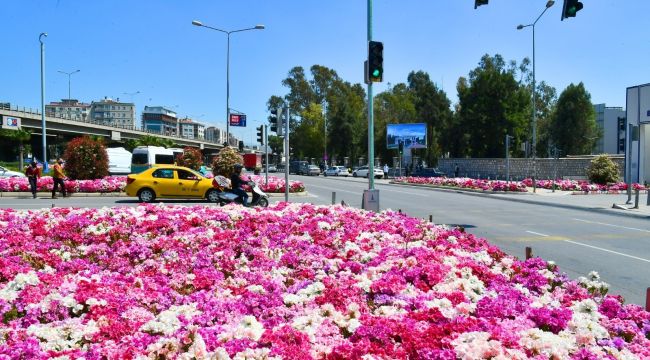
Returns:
point(607, 250)
point(536, 233)
point(612, 225)
point(337, 190)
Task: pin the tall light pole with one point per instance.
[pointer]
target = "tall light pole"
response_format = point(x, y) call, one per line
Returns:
point(40, 39)
point(69, 76)
point(257, 27)
point(534, 125)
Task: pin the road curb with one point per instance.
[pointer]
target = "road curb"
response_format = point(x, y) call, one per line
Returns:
point(503, 196)
point(12, 194)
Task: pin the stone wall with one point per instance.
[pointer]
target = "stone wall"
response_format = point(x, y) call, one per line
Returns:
point(495, 168)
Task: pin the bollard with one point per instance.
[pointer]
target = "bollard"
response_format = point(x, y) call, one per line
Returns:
point(333, 197)
point(529, 252)
point(647, 202)
point(647, 299)
point(343, 203)
point(430, 218)
point(636, 199)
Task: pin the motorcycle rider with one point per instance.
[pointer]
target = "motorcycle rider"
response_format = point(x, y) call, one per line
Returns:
point(237, 184)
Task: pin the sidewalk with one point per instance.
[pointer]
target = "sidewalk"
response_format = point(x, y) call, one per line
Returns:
point(613, 204)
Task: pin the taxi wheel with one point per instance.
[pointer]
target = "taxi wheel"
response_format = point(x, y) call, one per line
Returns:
point(146, 195)
point(212, 196)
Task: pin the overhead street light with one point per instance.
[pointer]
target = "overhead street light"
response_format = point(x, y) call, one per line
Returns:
point(534, 122)
point(69, 76)
point(256, 27)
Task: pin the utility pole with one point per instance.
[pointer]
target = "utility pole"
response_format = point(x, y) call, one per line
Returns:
point(286, 151)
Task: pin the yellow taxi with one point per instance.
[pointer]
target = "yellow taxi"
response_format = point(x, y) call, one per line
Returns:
point(170, 182)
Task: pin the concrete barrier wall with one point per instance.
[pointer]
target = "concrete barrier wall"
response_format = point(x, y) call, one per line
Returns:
point(495, 168)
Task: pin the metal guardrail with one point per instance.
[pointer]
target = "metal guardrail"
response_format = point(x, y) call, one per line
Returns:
point(8, 106)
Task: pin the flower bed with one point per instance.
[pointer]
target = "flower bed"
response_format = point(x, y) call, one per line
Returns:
point(292, 281)
point(582, 185)
point(108, 184)
point(111, 184)
point(465, 183)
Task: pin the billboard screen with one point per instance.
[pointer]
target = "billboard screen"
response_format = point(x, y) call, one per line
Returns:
point(237, 120)
point(413, 136)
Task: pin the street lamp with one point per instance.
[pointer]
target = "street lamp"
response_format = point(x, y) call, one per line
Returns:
point(69, 76)
point(257, 27)
point(548, 5)
point(40, 39)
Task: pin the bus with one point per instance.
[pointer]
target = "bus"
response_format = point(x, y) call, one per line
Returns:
point(145, 157)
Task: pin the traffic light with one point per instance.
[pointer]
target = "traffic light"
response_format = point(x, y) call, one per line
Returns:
point(375, 61)
point(478, 3)
point(571, 7)
point(276, 121)
point(241, 145)
point(401, 146)
point(260, 134)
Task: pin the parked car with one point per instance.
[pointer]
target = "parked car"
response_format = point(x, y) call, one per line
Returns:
point(6, 173)
point(298, 167)
point(272, 169)
point(170, 182)
point(119, 161)
point(337, 171)
point(428, 172)
point(363, 172)
point(312, 170)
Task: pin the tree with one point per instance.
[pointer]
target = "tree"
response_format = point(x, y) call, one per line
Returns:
point(433, 108)
point(309, 135)
point(393, 106)
point(492, 103)
point(86, 159)
point(20, 137)
point(276, 144)
point(573, 124)
point(149, 140)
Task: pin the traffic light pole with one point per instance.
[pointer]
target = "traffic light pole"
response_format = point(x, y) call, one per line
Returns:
point(266, 152)
point(286, 153)
point(371, 129)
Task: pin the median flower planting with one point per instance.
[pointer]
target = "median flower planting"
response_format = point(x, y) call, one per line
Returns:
point(293, 281)
point(582, 185)
point(465, 183)
point(107, 184)
point(111, 184)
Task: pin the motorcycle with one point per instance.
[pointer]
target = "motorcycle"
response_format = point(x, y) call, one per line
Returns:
point(260, 198)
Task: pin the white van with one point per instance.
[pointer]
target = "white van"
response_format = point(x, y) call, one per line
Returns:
point(176, 151)
point(145, 157)
point(119, 161)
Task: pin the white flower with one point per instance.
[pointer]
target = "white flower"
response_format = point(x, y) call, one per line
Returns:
point(10, 292)
point(167, 321)
point(247, 327)
point(63, 335)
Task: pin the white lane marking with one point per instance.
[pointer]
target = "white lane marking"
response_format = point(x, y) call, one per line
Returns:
point(606, 250)
point(612, 225)
point(337, 190)
point(536, 233)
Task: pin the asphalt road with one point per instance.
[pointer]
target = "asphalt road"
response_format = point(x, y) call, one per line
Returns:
point(578, 241)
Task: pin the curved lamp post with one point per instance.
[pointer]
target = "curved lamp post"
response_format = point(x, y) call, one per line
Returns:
point(534, 125)
point(257, 27)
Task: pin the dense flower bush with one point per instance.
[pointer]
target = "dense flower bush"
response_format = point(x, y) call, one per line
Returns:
point(581, 185)
point(276, 184)
point(466, 183)
point(292, 281)
point(190, 158)
point(224, 162)
point(86, 159)
point(106, 185)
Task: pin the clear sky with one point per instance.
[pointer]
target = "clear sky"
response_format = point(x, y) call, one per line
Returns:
point(150, 46)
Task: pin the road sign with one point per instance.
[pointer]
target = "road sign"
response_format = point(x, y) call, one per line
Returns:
point(237, 120)
point(10, 122)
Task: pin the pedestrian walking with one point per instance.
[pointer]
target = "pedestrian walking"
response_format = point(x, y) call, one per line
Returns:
point(456, 171)
point(33, 172)
point(385, 171)
point(58, 176)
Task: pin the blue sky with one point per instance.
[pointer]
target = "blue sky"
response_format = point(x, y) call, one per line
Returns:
point(125, 46)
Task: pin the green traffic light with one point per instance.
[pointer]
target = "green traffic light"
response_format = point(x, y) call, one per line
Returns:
point(375, 73)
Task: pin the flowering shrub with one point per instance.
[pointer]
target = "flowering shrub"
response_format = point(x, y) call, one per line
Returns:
point(466, 183)
point(190, 158)
point(106, 185)
point(291, 281)
point(602, 170)
point(86, 159)
point(224, 163)
point(276, 184)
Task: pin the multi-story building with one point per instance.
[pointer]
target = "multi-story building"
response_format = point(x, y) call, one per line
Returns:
point(611, 121)
point(113, 112)
point(191, 129)
point(159, 119)
point(68, 109)
point(215, 135)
